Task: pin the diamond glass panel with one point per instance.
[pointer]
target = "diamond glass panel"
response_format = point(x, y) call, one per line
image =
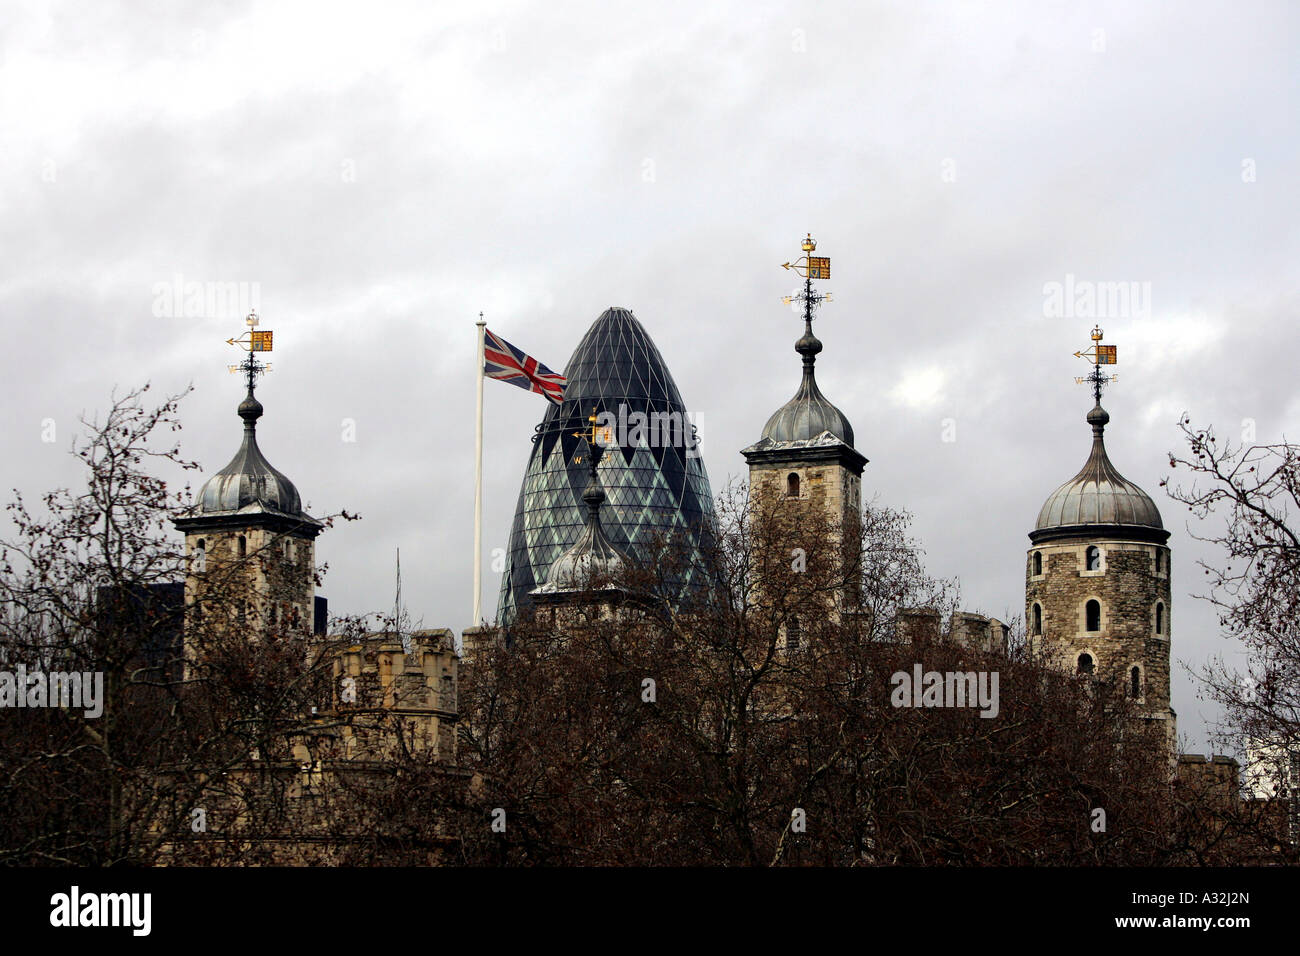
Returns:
point(655, 482)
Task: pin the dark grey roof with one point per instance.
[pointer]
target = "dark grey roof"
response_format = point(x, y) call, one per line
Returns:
point(809, 413)
point(1098, 494)
point(249, 485)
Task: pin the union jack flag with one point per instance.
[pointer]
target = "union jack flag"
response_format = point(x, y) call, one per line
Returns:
point(502, 360)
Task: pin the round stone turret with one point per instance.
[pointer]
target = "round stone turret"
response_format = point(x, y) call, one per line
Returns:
point(1097, 587)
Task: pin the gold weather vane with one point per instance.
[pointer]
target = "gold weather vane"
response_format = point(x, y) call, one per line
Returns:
point(1098, 355)
point(254, 340)
point(810, 267)
point(596, 436)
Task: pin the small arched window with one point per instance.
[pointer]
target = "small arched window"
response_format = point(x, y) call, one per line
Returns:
point(1085, 664)
point(1160, 617)
point(792, 485)
point(1159, 558)
point(1038, 562)
point(1038, 619)
point(1093, 558)
point(1135, 682)
point(1092, 614)
point(201, 555)
point(243, 546)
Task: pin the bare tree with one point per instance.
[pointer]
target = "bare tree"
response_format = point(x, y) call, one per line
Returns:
point(91, 584)
point(671, 731)
point(1251, 494)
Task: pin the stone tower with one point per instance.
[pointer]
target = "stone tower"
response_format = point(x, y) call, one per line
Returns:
point(805, 456)
point(805, 463)
point(1097, 582)
point(250, 545)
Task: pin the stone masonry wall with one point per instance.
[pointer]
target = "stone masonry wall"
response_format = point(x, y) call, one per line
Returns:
point(1128, 587)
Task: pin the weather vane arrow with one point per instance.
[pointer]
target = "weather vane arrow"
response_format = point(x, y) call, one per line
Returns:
point(597, 436)
point(1098, 355)
point(810, 267)
point(254, 340)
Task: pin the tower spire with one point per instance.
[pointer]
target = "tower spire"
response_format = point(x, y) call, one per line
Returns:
point(248, 509)
point(254, 340)
point(810, 267)
point(805, 464)
point(809, 414)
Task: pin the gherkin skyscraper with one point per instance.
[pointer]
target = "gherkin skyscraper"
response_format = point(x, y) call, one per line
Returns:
point(655, 481)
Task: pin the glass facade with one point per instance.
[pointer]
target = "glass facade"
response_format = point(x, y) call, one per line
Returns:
point(655, 481)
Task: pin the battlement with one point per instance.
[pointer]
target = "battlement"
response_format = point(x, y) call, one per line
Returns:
point(1219, 776)
point(378, 672)
point(477, 641)
point(925, 625)
point(382, 695)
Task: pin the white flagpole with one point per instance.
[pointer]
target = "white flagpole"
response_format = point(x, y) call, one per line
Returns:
point(478, 485)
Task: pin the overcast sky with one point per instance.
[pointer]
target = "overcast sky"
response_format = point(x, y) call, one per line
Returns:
point(377, 174)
